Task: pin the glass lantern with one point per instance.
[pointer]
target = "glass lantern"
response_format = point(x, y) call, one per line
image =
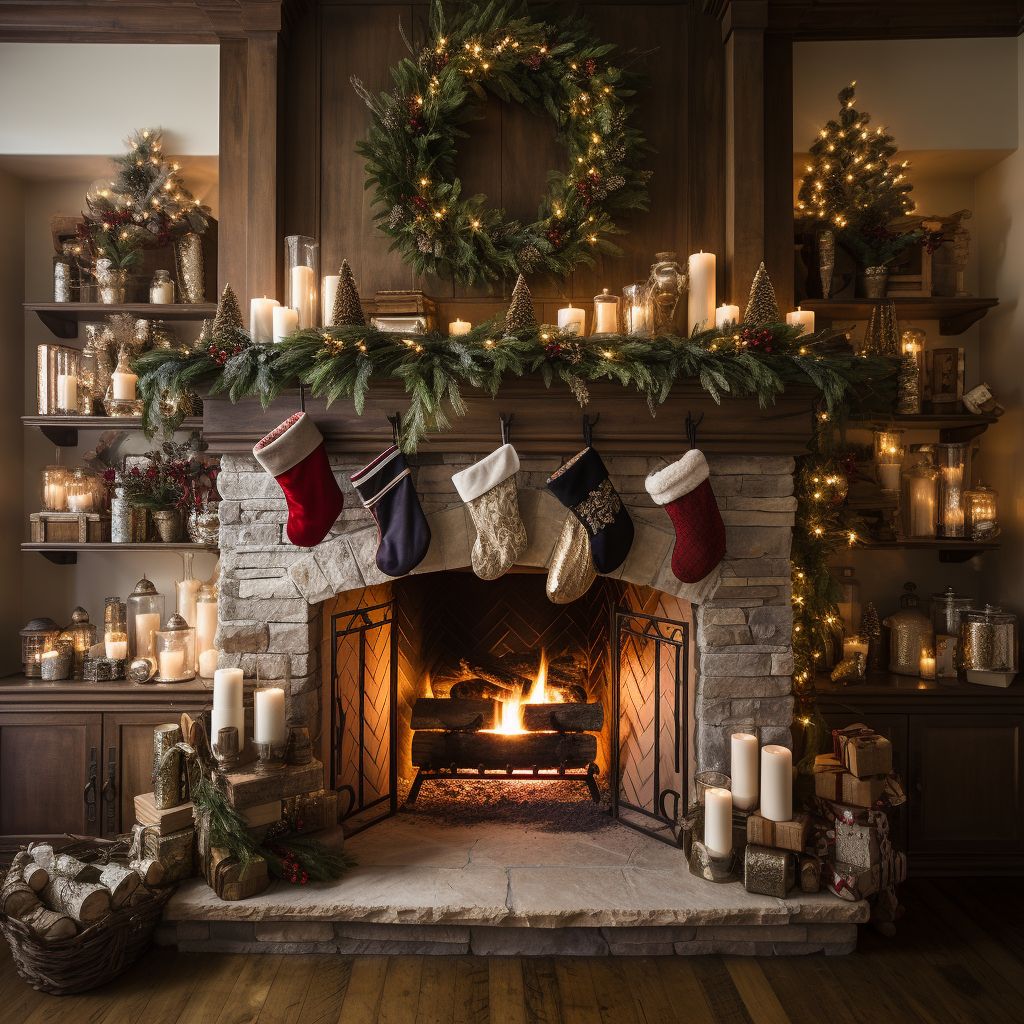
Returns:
point(52, 362)
point(951, 460)
point(69, 370)
point(81, 493)
point(889, 452)
point(301, 278)
point(145, 613)
point(161, 290)
point(115, 629)
point(606, 313)
point(176, 651)
point(55, 488)
point(920, 496)
point(980, 513)
point(81, 634)
point(206, 628)
point(37, 637)
point(122, 396)
point(636, 310)
point(988, 639)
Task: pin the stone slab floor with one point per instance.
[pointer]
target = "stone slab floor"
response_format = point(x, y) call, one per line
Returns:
point(507, 888)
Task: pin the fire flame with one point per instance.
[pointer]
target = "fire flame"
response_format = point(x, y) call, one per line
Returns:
point(510, 721)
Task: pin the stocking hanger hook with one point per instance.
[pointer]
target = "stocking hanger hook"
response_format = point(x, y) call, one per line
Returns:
point(691, 427)
point(396, 426)
point(588, 428)
point(506, 426)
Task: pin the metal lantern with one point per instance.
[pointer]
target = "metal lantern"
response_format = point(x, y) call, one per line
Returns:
point(910, 632)
point(176, 651)
point(889, 452)
point(81, 633)
point(988, 639)
point(981, 513)
point(38, 636)
point(145, 613)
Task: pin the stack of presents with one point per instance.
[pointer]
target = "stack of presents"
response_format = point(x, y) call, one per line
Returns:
point(288, 801)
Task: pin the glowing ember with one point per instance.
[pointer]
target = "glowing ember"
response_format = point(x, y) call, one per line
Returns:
point(511, 716)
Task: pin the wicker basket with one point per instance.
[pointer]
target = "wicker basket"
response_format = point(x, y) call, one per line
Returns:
point(98, 953)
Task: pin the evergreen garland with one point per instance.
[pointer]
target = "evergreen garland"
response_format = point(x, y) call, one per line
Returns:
point(558, 68)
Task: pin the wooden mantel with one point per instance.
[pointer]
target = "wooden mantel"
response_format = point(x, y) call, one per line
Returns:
point(545, 422)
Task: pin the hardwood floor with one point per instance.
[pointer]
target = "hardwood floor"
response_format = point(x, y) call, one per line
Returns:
point(958, 957)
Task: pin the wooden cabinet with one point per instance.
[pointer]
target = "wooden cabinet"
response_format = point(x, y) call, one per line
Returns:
point(959, 750)
point(73, 758)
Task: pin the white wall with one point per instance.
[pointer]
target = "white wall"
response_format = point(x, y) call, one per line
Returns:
point(84, 98)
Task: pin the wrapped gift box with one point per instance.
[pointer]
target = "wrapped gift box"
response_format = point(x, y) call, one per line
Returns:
point(768, 871)
point(833, 782)
point(862, 751)
point(850, 883)
point(786, 835)
point(311, 812)
point(857, 845)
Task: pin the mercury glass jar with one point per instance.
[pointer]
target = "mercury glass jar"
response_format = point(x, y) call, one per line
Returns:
point(145, 613)
point(951, 460)
point(176, 651)
point(981, 520)
point(889, 452)
point(37, 637)
point(989, 642)
point(910, 633)
point(81, 494)
point(55, 488)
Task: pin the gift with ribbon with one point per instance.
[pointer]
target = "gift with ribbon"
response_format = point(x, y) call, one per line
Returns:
point(833, 782)
point(862, 751)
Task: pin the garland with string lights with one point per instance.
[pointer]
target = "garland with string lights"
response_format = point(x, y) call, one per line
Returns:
point(558, 68)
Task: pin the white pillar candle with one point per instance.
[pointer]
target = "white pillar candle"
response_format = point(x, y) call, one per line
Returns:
point(718, 821)
point(270, 724)
point(329, 292)
point(889, 476)
point(162, 292)
point(206, 628)
point(208, 662)
point(572, 320)
point(286, 321)
point(67, 392)
point(146, 625)
point(261, 320)
point(116, 649)
point(606, 317)
point(124, 386)
point(743, 769)
point(700, 303)
point(79, 502)
point(228, 690)
point(927, 666)
point(457, 328)
point(55, 496)
point(922, 507)
point(726, 315)
point(303, 297)
point(187, 592)
point(803, 318)
point(776, 783)
point(171, 664)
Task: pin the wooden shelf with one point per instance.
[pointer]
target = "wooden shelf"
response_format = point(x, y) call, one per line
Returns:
point(67, 554)
point(896, 687)
point(63, 430)
point(952, 427)
point(949, 549)
point(63, 318)
point(954, 314)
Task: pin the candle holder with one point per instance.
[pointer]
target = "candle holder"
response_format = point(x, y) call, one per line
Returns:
point(980, 512)
point(55, 487)
point(889, 452)
point(69, 369)
point(56, 664)
point(302, 277)
point(606, 313)
point(271, 757)
point(225, 749)
point(636, 310)
point(121, 397)
point(176, 651)
point(952, 462)
point(703, 781)
point(908, 387)
point(145, 612)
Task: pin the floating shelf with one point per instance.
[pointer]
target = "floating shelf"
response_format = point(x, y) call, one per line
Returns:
point(63, 318)
point(949, 549)
point(952, 427)
point(67, 554)
point(63, 430)
point(955, 314)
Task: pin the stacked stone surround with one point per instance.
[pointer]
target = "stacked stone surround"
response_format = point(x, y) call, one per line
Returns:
point(271, 591)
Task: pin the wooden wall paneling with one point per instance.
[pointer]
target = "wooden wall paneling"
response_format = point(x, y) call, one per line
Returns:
point(364, 41)
point(263, 247)
point(233, 169)
point(299, 133)
point(778, 172)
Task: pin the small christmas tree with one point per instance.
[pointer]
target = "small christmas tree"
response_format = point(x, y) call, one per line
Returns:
point(762, 306)
point(854, 186)
point(228, 321)
point(347, 310)
point(520, 315)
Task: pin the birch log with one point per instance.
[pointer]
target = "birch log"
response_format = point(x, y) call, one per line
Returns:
point(85, 902)
point(34, 875)
point(150, 870)
point(121, 882)
point(49, 924)
point(17, 897)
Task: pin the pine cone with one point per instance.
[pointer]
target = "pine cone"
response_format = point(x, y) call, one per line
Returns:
point(528, 257)
point(397, 216)
point(424, 244)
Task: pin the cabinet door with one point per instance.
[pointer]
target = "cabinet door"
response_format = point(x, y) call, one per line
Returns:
point(49, 776)
point(965, 786)
point(128, 762)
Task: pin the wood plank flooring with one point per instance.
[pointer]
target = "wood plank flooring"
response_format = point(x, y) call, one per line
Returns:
point(958, 957)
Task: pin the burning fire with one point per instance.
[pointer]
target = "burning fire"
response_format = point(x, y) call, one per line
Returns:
point(511, 716)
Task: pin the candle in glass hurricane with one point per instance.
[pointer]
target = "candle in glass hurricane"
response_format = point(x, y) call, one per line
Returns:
point(572, 320)
point(285, 321)
point(889, 453)
point(329, 292)
point(718, 822)
point(606, 313)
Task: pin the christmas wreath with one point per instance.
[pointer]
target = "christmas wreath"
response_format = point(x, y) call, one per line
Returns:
point(555, 67)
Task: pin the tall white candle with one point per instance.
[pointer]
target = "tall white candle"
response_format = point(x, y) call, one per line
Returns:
point(606, 316)
point(743, 769)
point(124, 386)
point(572, 320)
point(228, 689)
point(700, 303)
point(803, 318)
point(67, 392)
point(303, 298)
point(146, 625)
point(55, 496)
point(727, 315)
point(330, 291)
point(206, 628)
point(270, 723)
point(286, 321)
point(261, 320)
point(718, 821)
point(776, 783)
point(187, 591)
point(457, 328)
point(922, 507)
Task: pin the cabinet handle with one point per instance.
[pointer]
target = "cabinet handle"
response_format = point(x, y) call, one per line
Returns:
point(89, 793)
point(110, 790)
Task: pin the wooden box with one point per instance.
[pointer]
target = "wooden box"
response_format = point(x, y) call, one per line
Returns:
point(833, 782)
point(176, 851)
point(245, 790)
point(162, 822)
point(784, 835)
point(70, 527)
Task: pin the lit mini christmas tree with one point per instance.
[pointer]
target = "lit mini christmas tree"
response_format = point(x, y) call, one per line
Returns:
point(348, 309)
point(855, 187)
point(520, 315)
point(228, 320)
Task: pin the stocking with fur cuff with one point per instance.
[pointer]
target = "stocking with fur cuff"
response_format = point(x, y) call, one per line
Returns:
point(685, 490)
point(294, 454)
point(488, 488)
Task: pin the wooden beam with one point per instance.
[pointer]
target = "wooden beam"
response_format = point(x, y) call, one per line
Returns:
point(234, 164)
point(778, 167)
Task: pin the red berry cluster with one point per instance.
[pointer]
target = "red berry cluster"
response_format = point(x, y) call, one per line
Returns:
point(220, 354)
point(420, 203)
point(555, 236)
point(590, 66)
point(293, 871)
point(553, 350)
point(759, 338)
point(534, 61)
point(416, 125)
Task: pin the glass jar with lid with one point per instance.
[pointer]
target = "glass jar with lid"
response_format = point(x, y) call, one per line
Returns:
point(206, 628)
point(145, 613)
point(81, 634)
point(920, 493)
point(665, 286)
point(910, 633)
point(981, 519)
point(161, 291)
point(115, 629)
point(55, 488)
point(37, 637)
point(989, 640)
point(176, 651)
point(606, 313)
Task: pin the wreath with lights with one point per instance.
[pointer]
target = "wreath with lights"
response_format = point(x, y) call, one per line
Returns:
point(559, 68)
